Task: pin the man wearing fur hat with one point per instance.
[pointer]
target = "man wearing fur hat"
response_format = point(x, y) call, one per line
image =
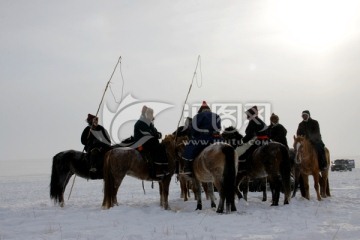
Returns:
point(277, 132)
point(146, 136)
point(96, 140)
point(205, 129)
point(311, 130)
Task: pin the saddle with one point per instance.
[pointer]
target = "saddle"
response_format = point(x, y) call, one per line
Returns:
point(157, 164)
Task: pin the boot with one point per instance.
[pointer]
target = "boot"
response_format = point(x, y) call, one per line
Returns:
point(94, 154)
point(187, 170)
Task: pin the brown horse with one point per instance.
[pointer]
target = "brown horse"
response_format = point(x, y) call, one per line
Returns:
point(306, 163)
point(270, 160)
point(120, 162)
point(216, 165)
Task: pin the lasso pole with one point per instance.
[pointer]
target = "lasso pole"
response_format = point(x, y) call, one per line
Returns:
point(97, 112)
point(182, 111)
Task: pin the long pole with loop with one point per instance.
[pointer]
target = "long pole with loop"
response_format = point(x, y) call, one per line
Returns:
point(97, 112)
point(192, 81)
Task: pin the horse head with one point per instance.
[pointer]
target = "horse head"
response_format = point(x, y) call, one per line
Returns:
point(174, 145)
point(232, 136)
point(299, 144)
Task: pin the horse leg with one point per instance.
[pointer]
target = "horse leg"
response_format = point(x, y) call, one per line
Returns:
point(239, 178)
point(164, 194)
point(209, 191)
point(275, 190)
point(244, 188)
point(296, 180)
point(205, 187)
point(197, 192)
point(218, 186)
point(263, 188)
point(183, 188)
point(316, 185)
point(305, 180)
point(64, 183)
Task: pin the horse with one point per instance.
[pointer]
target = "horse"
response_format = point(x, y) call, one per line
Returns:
point(186, 183)
point(216, 166)
point(269, 160)
point(306, 163)
point(65, 164)
point(123, 161)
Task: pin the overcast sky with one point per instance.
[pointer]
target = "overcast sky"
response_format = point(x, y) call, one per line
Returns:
point(56, 57)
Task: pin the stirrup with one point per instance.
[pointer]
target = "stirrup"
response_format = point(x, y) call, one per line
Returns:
point(92, 169)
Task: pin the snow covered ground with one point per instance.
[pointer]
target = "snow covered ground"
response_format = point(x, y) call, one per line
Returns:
point(26, 212)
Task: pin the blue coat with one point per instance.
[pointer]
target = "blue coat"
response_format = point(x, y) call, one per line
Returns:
point(206, 127)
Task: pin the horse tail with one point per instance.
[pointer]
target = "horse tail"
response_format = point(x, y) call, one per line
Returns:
point(109, 185)
point(55, 188)
point(285, 170)
point(229, 175)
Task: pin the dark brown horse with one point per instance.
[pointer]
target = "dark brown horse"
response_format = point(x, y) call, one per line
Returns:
point(270, 160)
point(65, 164)
point(306, 163)
point(120, 162)
point(216, 165)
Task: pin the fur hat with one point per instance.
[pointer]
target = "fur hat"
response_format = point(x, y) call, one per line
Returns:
point(143, 110)
point(252, 111)
point(149, 114)
point(203, 107)
point(274, 118)
point(307, 112)
point(90, 118)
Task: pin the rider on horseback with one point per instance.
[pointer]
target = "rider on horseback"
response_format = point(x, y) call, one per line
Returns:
point(96, 140)
point(277, 132)
point(256, 131)
point(311, 130)
point(206, 127)
point(147, 137)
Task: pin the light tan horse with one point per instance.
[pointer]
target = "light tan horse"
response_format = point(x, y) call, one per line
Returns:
point(216, 165)
point(121, 161)
point(306, 162)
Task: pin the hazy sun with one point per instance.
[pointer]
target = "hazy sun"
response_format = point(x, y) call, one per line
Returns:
point(317, 24)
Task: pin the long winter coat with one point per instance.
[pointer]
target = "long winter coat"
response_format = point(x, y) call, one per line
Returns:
point(255, 127)
point(277, 133)
point(310, 129)
point(145, 133)
point(98, 138)
point(205, 129)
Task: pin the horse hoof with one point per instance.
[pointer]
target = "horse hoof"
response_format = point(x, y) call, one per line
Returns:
point(213, 205)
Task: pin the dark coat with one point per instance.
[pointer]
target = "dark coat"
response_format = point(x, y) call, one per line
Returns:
point(145, 133)
point(205, 123)
point(310, 129)
point(256, 127)
point(277, 133)
point(97, 138)
point(205, 130)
